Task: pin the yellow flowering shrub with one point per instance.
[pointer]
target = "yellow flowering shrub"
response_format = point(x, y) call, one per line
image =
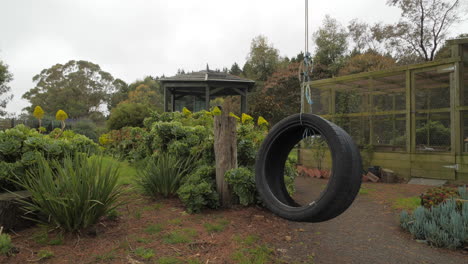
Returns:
point(246, 118)
point(61, 115)
point(216, 111)
point(186, 112)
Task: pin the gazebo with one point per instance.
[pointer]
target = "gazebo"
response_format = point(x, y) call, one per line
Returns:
point(204, 86)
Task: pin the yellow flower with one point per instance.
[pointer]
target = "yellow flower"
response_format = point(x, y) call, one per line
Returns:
point(261, 121)
point(61, 115)
point(38, 112)
point(233, 115)
point(186, 112)
point(207, 113)
point(246, 118)
point(216, 111)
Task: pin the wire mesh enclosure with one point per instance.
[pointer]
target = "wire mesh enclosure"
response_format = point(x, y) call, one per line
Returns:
point(419, 112)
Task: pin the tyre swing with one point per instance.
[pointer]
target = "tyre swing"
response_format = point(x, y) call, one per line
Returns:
point(346, 167)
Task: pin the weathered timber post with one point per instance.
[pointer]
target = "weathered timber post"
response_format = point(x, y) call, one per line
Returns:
point(225, 146)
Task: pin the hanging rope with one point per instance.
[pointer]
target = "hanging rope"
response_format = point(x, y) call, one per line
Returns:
point(305, 68)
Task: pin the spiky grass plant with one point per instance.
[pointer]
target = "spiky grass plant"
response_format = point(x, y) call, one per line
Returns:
point(162, 174)
point(71, 194)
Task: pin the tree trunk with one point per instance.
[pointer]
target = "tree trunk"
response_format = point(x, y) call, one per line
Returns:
point(11, 214)
point(225, 146)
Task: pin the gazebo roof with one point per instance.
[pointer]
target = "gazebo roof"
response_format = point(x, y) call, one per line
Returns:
point(207, 76)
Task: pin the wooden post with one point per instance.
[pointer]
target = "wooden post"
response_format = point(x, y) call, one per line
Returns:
point(225, 146)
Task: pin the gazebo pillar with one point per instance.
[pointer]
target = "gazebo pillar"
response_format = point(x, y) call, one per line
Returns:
point(172, 102)
point(243, 104)
point(207, 98)
point(166, 104)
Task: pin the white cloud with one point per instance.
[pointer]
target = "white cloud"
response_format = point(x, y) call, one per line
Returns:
point(134, 38)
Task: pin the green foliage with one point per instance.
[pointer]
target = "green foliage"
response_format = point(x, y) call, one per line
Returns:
point(20, 147)
point(5, 244)
point(127, 115)
point(260, 254)
point(71, 194)
point(331, 46)
point(168, 260)
point(5, 78)
point(444, 225)
point(87, 128)
point(433, 133)
point(242, 181)
point(163, 174)
point(263, 59)
point(79, 87)
point(198, 190)
point(144, 253)
point(408, 203)
point(45, 254)
point(180, 236)
point(129, 143)
point(435, 196)
point(154, 229)
point(216, 227)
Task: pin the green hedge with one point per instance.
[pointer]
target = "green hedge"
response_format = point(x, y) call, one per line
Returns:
point(20, 147)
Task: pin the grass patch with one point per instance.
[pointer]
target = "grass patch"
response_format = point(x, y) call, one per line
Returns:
point(127, 173)
point(137, 215)
point(142, 240)
point(144, 253)
point(168, 260)
point(175, 221)
point(42, 238)
point(45, 254)
point(180, 236)
point(154, 229)
point(408, 203)
point(217, 227)
point(257, 255)
point(366, 190)
point(106, 256)
point(248, 240)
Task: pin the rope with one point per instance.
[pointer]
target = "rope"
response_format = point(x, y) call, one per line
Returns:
point(306, 66)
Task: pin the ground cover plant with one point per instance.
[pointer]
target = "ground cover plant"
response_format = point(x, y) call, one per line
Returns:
point(441, 225)
point(72, 194)
point(21, 146)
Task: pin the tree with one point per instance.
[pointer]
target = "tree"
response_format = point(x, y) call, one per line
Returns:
point(369, 61)
point(5, 78)
point(80, 87)
point(147, 91)
point(235, 69)
point(262, 60)
point(127, 114)
point(280, 96)
point(331, 47)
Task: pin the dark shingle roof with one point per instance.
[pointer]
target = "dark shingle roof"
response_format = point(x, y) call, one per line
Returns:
point(206, 75)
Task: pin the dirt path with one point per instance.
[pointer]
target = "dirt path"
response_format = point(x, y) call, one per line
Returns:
point(368, 232)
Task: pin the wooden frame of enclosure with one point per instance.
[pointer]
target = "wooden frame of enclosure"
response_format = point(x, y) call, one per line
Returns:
point(397, 104)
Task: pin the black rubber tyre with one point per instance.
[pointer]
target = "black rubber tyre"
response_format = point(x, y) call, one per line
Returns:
point(343, 185)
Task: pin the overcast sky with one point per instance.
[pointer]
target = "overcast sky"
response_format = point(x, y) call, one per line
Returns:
point(134, 38)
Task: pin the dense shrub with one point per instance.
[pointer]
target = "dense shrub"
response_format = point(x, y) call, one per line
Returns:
point(444, 225)
point(242, 181)
point(5, 244)
point(20, 147)
point(85, 127)
point(184, 135)
point(435, 196)
point(198, 189)
point(128, 143)
point(127, 115)
point(71, 194)
point(162, 174)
